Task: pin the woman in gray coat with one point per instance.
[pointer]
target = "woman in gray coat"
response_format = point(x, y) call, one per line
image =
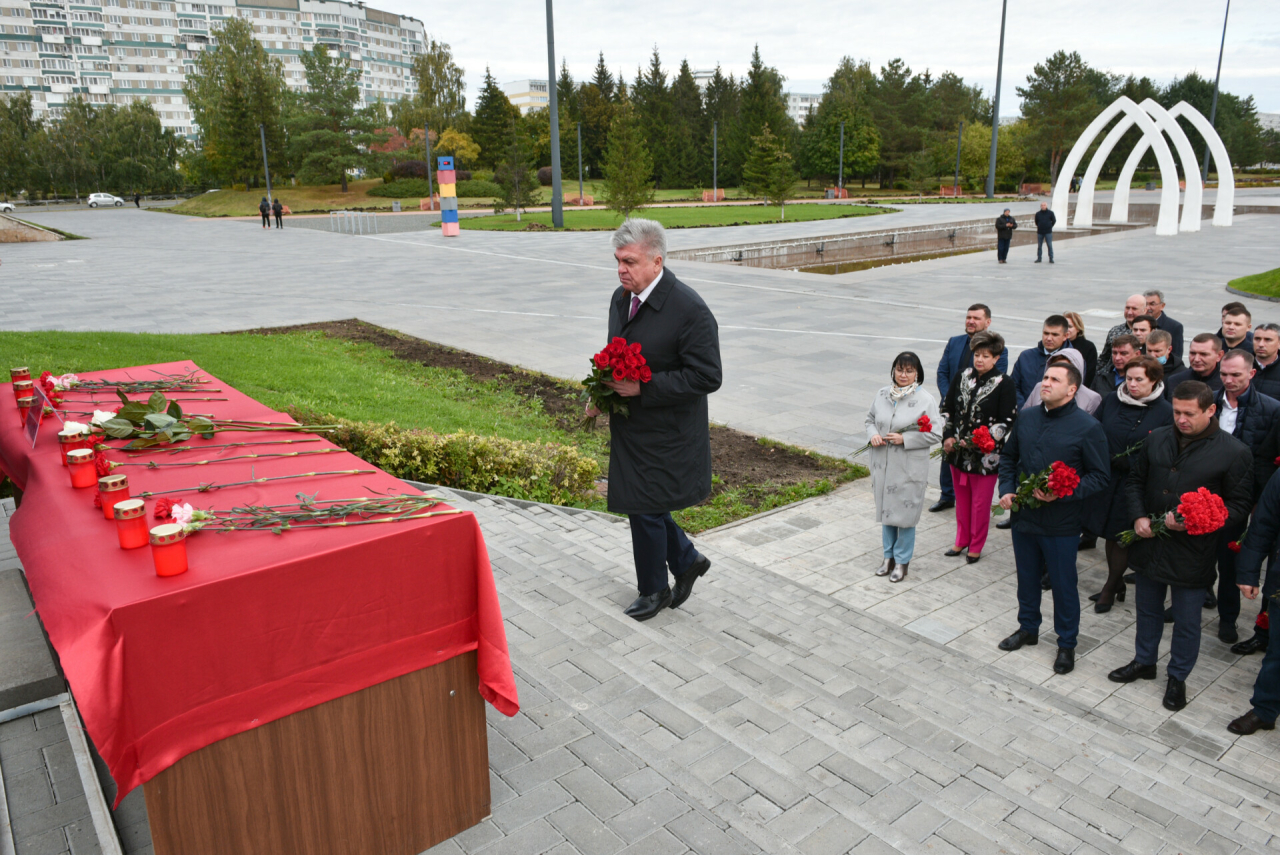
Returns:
point(900, 459)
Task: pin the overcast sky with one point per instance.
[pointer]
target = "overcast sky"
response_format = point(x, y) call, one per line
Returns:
point(804, 39)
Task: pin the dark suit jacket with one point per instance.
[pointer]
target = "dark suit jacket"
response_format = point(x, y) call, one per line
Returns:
point(1174, 329)
point(660, 453)
point(956, 357)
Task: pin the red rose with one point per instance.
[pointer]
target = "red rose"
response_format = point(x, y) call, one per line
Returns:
point(645, 374)
point(924, 424)
point(635, 347)
point(983, 441)
point(164, 509)
point(1234, 546)
point(602, 360)
point(1063, 480)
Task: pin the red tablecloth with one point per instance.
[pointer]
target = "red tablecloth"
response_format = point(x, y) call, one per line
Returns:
point(262, 625)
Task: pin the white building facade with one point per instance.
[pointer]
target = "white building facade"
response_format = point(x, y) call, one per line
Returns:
point(528, 95)
point(120, 51)
point(799, 104)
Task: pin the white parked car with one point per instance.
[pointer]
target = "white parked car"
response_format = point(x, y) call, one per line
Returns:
point(6, 208)
point(97, 200)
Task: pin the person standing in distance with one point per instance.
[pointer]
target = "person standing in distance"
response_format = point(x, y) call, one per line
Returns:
point(1005, 224)
point(1045, 221)
point(956, 357)
point(660, 452)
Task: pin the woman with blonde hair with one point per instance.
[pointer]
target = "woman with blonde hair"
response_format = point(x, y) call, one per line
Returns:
point(1089, 350)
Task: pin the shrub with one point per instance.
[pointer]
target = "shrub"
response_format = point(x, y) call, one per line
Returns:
point(405, 188)
point(388, 178)
point(538, 472)
point(478, 188)
point(480, 175)
point(544, 176)
point(464, 174)
point(240, 188)
point(409, 169)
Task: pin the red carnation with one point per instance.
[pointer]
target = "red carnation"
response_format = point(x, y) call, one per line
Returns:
point(102, 465)
point(983, 441)
point(97, 499)
point(1202, 512)
point(924, 424)
point(1234, 546)
point(164, 509)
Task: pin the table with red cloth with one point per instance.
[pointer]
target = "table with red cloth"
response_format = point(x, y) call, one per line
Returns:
point(262, 625)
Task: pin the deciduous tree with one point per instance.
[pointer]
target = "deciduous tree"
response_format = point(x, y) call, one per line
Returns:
point(329, 133)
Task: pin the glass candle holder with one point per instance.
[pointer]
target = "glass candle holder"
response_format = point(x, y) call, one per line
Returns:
point(169, 549)
point(131, 523)
point(24, 405)
point(80, 463)
point(112, 489)
point(69, 440)
point(16, 374)
point(23, 389)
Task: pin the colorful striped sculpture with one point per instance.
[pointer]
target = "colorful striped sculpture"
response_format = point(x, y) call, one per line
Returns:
point(448, 179)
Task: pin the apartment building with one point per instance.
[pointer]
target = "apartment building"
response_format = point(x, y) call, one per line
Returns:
point(120, 51)
point(528, 95)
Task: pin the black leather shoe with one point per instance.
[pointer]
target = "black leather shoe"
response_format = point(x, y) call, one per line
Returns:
point(1005, 525)
point(1132, 671)
point(1019, 639)
point(941, 505)
point(1249, 724)
point(1066, 661)
point(646, 607)
point(684, 582)
point(1227, 633)
point(1210, 600)
point(1256, 644)
point(1175, 694)
point(952, 553)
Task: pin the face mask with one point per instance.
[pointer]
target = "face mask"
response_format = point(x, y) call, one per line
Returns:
point(1163, 359)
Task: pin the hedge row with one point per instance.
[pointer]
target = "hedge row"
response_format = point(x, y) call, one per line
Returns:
point(538, 472)
point(416, 188)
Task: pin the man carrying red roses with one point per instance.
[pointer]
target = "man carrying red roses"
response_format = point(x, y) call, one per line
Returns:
point(1177, 460)
point(1059, 438)
point(660, 451)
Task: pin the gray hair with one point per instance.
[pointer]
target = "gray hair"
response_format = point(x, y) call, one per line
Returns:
point(648, 234)
point(1154, 292)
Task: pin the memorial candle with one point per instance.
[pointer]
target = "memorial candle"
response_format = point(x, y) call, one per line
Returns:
point(70, 439)
point(25, 404)
point(131, 523)
point(16, 374)
point(169, 549)
point(80, 462)
point(112, 489)
point(23, 389)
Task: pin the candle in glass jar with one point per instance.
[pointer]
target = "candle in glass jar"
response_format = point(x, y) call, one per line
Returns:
point(24, 405)
point(80, 462)
point(16, 374)
point(112, 489)
point(169, 549)
point(23, 389)
point(70, 439)
point(131, 523)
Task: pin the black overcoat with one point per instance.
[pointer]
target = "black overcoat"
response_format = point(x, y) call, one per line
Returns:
point(1158, 477)
point(660, 453)
point(1125, 425)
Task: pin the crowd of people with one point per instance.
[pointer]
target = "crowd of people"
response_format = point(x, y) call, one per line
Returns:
point(1173, 465)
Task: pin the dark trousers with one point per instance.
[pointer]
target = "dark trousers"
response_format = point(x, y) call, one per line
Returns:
point(1002, 248)
point(658, 544)
point(1266, 689)
point(1270, 582)
point(1032, 552)
point(279, 224)
point(266, 221)
point(1187, 603)
point(1228, 593)
point(944, 482)
point(1041, 240)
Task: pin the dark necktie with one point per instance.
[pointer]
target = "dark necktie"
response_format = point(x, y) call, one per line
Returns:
point(635, 307)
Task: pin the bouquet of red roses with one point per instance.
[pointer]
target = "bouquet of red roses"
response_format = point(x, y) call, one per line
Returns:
point(1202, 512)
point(618, 361)
point(981, 439)
point(922, 424)
point(1059, 479)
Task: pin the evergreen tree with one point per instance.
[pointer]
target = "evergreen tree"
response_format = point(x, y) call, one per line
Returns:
point(1236, 121)
point(604, 80)
point(820, 143)
point(328, 132)
point(652, 101)
point(491, 126)
point(567, 92)
point(689, 136)
point(900, 105)
point(628, 167)
point(769, 171)
point(763, 103)
point(515, 173)
point(1058, 101)
point(597, 119)
point(724, 109)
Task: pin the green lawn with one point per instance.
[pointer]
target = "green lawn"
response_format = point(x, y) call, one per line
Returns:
point(685, 217)
point(1263, 284)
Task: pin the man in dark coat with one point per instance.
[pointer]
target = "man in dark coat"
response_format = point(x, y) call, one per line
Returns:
point(1028, 371)
point(956, 357)
point(1155, 308)
point(277, 208)
point(1266, 349)
point(1005, 224)
point(1045, 221)
point(660, 452)
point(1261, 542)
point(1191, 453)
point(1124, 349)
point(1048, 535)
point(1160, 348)
point(1236, 330)
point(1252, 418)
point(1203, 361)
point(264, 208)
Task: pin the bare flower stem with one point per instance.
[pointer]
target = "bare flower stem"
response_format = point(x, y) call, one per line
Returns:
point(205, 488)
point(151, 464)
point(183, 448)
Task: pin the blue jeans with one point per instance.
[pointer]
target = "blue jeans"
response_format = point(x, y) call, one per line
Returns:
point(1032, 552)
point(1187, 603)
point(1002, 248)
point(899, 543)
point(1041, 240)
point(657, 544)
point(1266, 689)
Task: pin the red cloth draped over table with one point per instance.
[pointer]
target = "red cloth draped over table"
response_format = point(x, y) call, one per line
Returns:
point(262, 625)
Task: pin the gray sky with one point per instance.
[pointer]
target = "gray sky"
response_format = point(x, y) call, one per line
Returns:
point(804, 39)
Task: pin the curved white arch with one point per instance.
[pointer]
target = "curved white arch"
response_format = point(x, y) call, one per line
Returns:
point(1190, 214)
point(1167, 221)
point(1225, 201)
point(1192, 202)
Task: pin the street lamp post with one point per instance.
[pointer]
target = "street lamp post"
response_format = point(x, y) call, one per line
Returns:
point(1213, 110)
point(995, 107)
point(715, 160)
point(955, 186)
point(262, 132)
point(581, 198)
point(557, 203)
point(426, 138)
point(840, 179)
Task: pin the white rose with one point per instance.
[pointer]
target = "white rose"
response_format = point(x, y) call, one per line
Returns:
point(102, 416)
point(75, 426)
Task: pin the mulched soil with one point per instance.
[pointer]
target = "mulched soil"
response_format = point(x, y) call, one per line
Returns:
point(739, 459)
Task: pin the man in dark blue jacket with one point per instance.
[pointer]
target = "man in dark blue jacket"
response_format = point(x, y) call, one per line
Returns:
point(1266, 358)
point(1258, 543)
point(1029, 369)
point(1045, 221)
point(1047, 535)
point(1250, 417)
point(1155, 308)
point(956, 357)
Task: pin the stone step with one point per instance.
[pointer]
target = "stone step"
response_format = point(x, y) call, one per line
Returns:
point(806, 676)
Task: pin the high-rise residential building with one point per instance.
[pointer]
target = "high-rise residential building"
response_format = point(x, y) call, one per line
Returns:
point(799, 104)
point(120, 51)
point(528, 95)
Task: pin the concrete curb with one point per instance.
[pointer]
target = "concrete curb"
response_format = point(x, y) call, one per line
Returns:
point(1251, 296)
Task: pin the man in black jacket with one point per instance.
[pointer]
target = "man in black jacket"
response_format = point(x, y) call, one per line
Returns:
point(660, 452)
point(1124, 349)
point(1266, 349)
point(1203, 360)
point(1260, 542)
point(1048, 535)
point(1045, 221)
point(1005, 224)
point(1160, 348)
point(1155, 308)
point(1192, 453)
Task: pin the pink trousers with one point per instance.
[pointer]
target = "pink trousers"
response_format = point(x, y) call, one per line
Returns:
point(973, 509)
